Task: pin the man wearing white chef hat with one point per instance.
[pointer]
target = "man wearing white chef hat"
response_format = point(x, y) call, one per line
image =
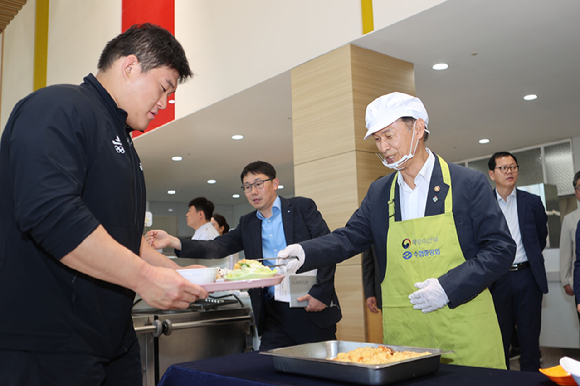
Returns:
point(437, 231)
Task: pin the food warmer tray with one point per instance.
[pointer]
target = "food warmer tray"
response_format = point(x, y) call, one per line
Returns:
point(314, 359)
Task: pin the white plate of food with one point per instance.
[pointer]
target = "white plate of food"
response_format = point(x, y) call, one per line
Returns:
point(247, 269)
point(227, 285)
point(245, 275)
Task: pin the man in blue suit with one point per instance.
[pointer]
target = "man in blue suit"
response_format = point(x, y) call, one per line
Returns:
point(440, 240)
point(518, 294)
point(274, 224)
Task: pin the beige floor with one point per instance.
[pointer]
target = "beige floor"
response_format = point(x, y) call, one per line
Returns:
point(550, 357)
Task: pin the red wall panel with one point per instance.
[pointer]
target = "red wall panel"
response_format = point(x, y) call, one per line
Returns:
point(161, 13)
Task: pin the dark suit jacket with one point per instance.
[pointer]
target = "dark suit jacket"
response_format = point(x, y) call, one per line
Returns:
point(533, 223)
point(481, 227)
point(371, 278)
point(577, 266)
point(302, 221)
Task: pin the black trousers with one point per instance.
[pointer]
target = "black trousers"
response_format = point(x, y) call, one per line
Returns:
point(287, 326)
point(518, 301)
point(31, 368)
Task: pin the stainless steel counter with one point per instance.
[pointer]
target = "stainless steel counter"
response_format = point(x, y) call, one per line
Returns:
point(207, 329)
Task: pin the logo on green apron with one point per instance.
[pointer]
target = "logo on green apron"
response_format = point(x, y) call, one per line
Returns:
point(420, 247)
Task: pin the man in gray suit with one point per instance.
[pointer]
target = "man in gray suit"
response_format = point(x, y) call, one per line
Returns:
point(568, 243)
point(517, 295)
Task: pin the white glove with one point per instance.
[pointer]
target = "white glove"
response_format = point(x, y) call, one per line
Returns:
point(292, 265)
point(430, 297)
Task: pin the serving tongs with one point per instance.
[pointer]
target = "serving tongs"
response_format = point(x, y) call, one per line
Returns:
point(277, 258)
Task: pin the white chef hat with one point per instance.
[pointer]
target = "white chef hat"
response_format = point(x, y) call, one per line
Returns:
point(387, 109)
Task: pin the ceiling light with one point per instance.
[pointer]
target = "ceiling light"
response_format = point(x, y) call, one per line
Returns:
point(236, 196)
point(530, 97)
point(170, 210)
point(211, 182)
point(440, 66)
point(484, 140)
point(176, 158)
point(280, 186)
point(171, 192)
point(237, 137)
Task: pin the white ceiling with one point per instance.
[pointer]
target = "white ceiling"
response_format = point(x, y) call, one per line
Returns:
point(523, 47)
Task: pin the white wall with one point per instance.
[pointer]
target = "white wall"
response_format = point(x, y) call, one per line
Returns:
point(231, 45)
point(387, 12)
point(576, 153)
point(78, 32)
point(17, 60)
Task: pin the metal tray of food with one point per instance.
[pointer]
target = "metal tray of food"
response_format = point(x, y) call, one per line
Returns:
point(315, 359)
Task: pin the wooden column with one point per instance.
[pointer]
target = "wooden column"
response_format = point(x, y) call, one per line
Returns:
point(333, 165)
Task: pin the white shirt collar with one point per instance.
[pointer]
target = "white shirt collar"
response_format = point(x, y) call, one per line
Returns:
point(512, 194)
point(425, 172)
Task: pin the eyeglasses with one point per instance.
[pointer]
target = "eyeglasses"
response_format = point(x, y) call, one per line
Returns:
point(504, 169)
point(247, 188)
point(577, 188)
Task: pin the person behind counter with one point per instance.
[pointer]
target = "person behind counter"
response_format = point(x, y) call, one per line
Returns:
point(199, 218)
point(221, 225)
point(72, 212)
point(437, 231)
point(517, 295)
point(275, 223)
point(568, 243)
point(577, 269)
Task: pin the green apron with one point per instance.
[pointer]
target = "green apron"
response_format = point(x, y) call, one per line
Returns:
point(425, 248)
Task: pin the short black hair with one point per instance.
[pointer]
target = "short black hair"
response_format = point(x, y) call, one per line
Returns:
point(221, 220)
point(153, 46)
point(260, 167)
point(491, 164)
point(576, 178)
point(202, 203)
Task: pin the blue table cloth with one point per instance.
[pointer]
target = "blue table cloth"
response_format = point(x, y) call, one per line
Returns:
point(254, 369)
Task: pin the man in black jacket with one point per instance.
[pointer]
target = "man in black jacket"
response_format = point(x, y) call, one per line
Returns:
point(72, 212)
point(274, 224)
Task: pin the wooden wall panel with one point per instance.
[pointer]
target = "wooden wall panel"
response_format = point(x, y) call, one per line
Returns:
point(351, 297)
point(333, 165)
point(374, 326)
point(373, 75)
point(331, 182)
point(369, 168)
point(322, 116)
